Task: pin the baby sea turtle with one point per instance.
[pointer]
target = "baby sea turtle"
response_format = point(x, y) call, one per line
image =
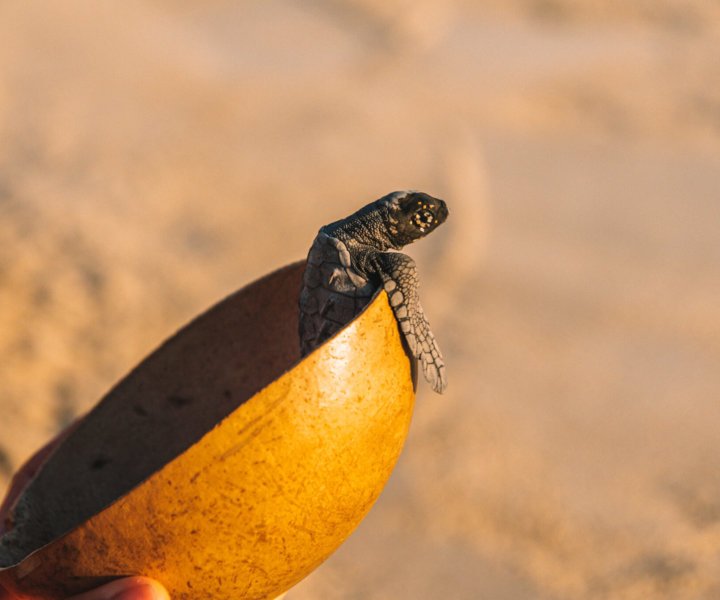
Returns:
point(349, 260)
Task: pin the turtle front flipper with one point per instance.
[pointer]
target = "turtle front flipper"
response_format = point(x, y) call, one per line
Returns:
point(400, 280)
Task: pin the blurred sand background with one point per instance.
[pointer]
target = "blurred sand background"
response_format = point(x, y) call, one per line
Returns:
point(156, 155)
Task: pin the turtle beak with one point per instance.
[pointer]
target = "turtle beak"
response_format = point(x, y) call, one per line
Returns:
point(442, 213)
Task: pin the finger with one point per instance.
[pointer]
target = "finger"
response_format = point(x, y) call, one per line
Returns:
point(27, 472)
point(129, 588)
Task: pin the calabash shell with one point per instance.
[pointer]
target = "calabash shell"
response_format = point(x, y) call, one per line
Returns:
point(247, 466)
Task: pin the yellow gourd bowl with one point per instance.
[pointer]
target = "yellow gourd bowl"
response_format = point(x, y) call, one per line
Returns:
point(222, 465)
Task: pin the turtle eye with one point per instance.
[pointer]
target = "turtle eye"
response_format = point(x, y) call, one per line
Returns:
point(422, 219)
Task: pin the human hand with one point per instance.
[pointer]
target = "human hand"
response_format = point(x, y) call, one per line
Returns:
point(128, 588)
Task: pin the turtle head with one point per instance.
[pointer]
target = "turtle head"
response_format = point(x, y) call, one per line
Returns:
point(412, 215)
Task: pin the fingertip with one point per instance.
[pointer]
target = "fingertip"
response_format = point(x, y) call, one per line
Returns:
point(128, 588)
point(142, 588)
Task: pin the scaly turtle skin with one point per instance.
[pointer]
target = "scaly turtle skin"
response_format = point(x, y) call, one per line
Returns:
point(349, 260)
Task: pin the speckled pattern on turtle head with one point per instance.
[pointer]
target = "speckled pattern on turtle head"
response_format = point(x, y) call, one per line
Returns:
point(349, 259)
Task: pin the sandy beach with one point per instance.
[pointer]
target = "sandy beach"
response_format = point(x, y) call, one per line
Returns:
point(157, 155)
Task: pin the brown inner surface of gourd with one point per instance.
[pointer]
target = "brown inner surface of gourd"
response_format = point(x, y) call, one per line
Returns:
point(162, 407)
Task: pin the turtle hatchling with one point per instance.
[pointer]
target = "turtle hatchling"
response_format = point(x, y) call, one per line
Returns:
point(351, 258)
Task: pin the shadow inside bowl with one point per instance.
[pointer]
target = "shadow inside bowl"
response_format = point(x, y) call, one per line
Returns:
point(166, 404)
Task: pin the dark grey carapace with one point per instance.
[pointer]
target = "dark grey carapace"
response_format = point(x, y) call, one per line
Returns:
point(349, 259)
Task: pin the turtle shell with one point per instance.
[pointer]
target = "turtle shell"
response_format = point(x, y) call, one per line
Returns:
point(333, 292)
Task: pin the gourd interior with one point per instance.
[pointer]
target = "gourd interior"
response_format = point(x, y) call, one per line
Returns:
point(179, 393)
